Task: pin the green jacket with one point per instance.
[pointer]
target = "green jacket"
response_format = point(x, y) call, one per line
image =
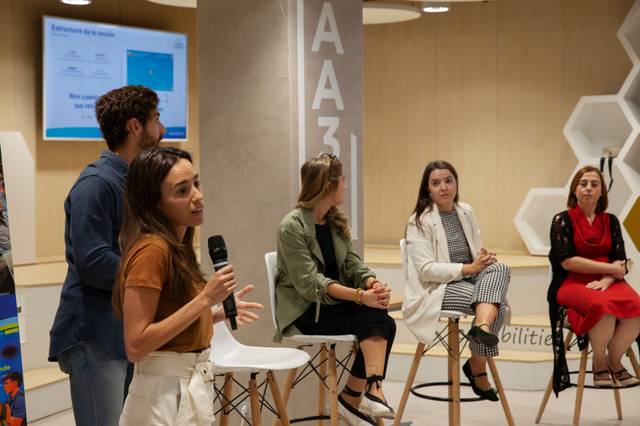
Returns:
point(300, 280)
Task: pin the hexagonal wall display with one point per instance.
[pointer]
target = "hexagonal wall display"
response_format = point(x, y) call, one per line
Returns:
point(597, 124)
point(533, 220)
point(632, 224)
point(629, 33)
point(630, 156)
point(620, 192)
point(630, 92)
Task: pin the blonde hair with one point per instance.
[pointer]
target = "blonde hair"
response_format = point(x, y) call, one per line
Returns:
point(320, 177)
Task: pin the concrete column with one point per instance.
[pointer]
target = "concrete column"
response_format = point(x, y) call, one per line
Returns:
point(252, 137)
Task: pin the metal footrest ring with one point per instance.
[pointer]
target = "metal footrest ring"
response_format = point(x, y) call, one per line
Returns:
point(414, 391)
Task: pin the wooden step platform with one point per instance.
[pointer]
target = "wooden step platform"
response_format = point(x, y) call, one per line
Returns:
point(46, 392)
point(505, 354)
point(39, 377)
point(40, 274)
point(532, 320)
point(389, 255)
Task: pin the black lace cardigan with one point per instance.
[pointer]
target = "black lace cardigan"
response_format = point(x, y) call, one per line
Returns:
point(562, 248)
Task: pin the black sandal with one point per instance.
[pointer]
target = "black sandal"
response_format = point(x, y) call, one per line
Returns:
point(489, 394)
point(373, 405)
point(603, 383)
point(624, 378)
point(347, 390)
point(351, 415)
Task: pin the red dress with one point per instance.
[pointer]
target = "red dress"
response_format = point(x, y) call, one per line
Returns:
point(586, 306)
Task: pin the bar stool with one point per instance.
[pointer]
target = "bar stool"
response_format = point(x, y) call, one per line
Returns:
point(568, 343)
point(451, 338)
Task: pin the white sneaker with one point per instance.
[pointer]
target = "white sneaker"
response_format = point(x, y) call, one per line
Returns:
point(375, 407)
point(352, 416)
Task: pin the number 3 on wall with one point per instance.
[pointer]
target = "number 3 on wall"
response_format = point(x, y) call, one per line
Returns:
point(332, 124)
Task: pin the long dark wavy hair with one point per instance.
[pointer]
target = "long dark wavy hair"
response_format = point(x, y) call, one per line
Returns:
point(320, 177)
point(142, 218)
point(425, 202)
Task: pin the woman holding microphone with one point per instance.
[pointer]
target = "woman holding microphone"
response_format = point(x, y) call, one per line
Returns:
point(166, 304)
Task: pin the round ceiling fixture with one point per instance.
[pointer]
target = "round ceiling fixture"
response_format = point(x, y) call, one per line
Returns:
point(447, 1)
point(435, 7)
point(387, 13)
point(178, 3)
point(76, 2)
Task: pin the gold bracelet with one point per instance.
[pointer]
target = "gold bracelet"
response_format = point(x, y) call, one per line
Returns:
point(357, 298)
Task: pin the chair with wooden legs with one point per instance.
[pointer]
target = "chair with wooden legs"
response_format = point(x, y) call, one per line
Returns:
point(324, 364)
point(568, 343)
point(451, 338)
point(230, 356)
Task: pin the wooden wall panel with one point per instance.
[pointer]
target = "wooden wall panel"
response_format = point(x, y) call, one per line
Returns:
point(371, 132)
point(466, 119)
point(7, 116)
point(58, 163)
point(400, 99)
point(594, 63)
point(508, 75)
point(529, 109)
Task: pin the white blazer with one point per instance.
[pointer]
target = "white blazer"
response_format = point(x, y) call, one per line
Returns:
point(430, 268)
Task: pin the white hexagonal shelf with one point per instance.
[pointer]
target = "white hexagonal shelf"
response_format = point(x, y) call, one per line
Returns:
point(597, 123)
point(621, 191)
point(630, 156)
point(630, 93)
point(629, 33)
point(533, 219)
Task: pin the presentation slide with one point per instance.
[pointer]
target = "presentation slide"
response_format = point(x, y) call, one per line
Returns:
point(83, 60)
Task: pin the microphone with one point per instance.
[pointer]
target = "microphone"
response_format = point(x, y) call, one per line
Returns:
point(218, 254)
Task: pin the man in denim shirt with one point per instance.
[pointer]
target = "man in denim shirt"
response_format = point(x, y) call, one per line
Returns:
point(86, 339)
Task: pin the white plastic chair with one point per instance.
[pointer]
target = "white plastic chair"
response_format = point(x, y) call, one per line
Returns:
point(324, 359)
point(450, 337)
point(230, 356)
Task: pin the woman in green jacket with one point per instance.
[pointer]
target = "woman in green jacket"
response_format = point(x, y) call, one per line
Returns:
point(322, 287)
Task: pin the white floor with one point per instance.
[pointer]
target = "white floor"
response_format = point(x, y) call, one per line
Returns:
point(598, 409)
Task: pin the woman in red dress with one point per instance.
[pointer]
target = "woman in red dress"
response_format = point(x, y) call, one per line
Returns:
point(589, 264)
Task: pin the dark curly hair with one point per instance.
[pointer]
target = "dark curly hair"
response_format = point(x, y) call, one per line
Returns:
point(115, 108)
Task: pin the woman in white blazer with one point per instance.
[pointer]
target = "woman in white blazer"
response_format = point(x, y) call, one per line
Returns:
point(450, 270)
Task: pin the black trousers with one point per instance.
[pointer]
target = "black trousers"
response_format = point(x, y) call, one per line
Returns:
point(350, 318)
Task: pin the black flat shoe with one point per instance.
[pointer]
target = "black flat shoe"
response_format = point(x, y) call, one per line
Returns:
point(481, 337)
point(489, 394)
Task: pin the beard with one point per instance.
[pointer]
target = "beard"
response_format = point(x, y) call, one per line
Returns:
point(147, 141)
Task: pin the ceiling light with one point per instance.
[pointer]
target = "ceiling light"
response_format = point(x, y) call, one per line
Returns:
point(387, 13)
point(178, 3)
point(76, 2)
point(432, 7)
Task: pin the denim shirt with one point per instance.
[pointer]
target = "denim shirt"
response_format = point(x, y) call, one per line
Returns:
point(93, 212)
